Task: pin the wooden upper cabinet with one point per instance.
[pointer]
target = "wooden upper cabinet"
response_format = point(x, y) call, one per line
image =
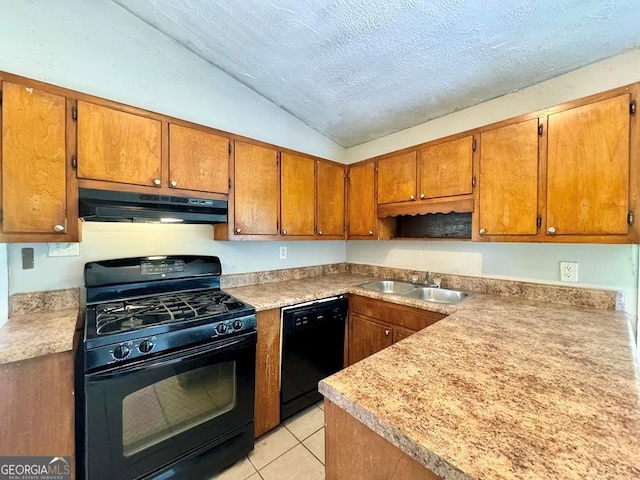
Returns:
point(297, 195)
point(198, 160)
point(34, 163)
point(118, 146)
point(330, 198)
point(588, 169)
point(397, 178)
point(362, 203)
point(508, 180)
point(256, 190)
point(446, 169)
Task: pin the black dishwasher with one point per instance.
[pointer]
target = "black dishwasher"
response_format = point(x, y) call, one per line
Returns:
point(312, 349)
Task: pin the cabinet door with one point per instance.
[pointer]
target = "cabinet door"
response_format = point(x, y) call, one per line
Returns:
point(401, 334)
point(366, 338)
point(257, 190)
point(330, 198)
point(362, 203)
point(298, 194)
point(198, 160)
point(588, 169)
point(117, 146)
point(34, 195)
point(446, 169)
point(508, 180)
point(397, 178)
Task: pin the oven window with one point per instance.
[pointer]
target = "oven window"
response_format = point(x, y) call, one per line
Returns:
point(175, 404)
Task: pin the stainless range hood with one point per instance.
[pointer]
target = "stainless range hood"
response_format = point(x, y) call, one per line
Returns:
point(112, 206)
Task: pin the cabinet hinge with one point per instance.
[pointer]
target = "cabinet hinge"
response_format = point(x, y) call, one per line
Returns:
point(474, 144)
point(540, 130)
point(632, 107)
point(1, 217)
point(229, 148)
point(74, 162)
point(630, 217)
point(0, 97)
point(539, 221)
point(74, 114)
point(229, 183)
point(473, 181)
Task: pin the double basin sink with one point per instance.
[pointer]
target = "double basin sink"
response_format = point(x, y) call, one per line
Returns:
point(410, 290)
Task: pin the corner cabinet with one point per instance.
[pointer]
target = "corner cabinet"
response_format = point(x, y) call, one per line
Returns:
point(39, 191)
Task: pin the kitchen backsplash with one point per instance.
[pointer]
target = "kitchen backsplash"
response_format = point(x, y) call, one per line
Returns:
point(44, 301)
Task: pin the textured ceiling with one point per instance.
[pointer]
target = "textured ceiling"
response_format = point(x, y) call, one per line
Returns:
point(356, 70)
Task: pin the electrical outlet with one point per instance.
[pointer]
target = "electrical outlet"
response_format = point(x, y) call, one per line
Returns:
point(283, 253)
point(64, 249)
point(569, 272)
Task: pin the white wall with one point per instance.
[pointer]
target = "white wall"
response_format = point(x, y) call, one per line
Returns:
point(96, 47)
point(110, 240)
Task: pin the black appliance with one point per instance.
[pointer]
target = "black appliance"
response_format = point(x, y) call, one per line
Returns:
point(166, 372)
point(112, 206)
point(312, 349)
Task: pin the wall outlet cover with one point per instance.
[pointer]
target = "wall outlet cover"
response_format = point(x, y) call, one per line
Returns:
point(283, 253)
point(64, 249)
point(569, 272)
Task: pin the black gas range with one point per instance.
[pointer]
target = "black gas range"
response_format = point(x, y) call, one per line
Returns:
point(166, 372)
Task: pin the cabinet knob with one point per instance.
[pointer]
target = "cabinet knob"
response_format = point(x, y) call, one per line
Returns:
point(319, 232)
point(412, 197)
point(157, 182)
point(174, 184)
point(238, 230)
point(370, 232)
point(551, 230)
point(58, 228)
point(284, 232)
point(387, 332)
point(482, 231)
point(422, 195)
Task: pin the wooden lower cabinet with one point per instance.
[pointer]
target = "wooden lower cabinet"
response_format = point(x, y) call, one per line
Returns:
point(368, 456)
point(375, 324)
point(267, 399)
point(37, 414)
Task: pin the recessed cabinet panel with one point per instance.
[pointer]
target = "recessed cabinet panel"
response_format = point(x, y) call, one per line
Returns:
point(362, 203)
point(508, 180)
point(588, 169)
point(367, 338)
point(330, 194)
point(446, 169)
point(397, 178)
point(198, 160)
point(298, 195)
point(34, 194)
point(118, 146)
point(257, 190)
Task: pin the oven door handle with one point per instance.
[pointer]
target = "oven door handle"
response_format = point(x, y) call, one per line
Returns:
point(235, 343)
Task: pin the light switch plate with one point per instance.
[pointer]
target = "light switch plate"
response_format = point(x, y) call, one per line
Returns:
point(569, 272)
point(64, 249)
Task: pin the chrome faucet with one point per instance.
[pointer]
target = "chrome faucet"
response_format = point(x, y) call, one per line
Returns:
point(428, 281)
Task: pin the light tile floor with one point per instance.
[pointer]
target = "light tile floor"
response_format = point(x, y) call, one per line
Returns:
point(293, 451)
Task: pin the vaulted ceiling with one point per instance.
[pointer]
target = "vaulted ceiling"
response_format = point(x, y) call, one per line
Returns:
point(356, 70)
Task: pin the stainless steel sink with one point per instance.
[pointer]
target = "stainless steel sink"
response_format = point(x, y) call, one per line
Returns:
point(438, 295)
point(389, 286)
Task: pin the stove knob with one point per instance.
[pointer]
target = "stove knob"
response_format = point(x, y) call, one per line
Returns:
point(121, 351)
point(237, 325)
point(222, 328)
point(145, 346)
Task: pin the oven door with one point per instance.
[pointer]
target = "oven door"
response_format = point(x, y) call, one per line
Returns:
point(144, 416)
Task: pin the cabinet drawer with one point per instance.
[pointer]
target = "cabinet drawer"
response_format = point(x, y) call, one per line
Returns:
point(399, 315)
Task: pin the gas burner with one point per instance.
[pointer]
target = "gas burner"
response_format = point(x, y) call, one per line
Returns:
point(132, 322)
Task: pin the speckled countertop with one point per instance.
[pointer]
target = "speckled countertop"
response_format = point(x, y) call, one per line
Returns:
point(506, 388)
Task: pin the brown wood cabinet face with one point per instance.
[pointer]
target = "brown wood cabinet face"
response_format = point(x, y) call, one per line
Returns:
point(362, 202)
point(588, 169)
point(446, 169)
point(297, 195)
point(198, 160)
point(397, 178)
point(508, 180)
point(366, 338)
point(267, 402)
point(118, 146)
point(34, 191)
point(256, 190)
point(330, 198)
point(401, 334)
